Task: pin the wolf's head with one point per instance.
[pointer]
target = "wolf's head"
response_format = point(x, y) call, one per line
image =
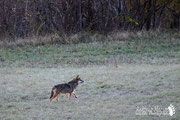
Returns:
point(78, 79)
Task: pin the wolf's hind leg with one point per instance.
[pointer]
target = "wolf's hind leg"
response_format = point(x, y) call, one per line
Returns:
point(54, 95)
point(57, 97)
point(50, 100)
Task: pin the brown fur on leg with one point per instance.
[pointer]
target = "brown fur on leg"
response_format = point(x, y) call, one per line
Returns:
point(54, 95)
point(57, 98)
point(75, 95)
point(69, 96)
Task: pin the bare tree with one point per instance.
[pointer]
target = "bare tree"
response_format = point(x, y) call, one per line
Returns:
point(22, 18)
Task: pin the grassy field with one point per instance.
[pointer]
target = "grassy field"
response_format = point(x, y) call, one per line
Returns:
point(120, 75)
point(143, 48)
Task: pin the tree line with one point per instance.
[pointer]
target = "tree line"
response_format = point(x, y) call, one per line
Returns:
point(22, 18)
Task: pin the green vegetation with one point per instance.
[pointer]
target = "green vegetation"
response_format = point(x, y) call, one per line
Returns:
point(143, 48)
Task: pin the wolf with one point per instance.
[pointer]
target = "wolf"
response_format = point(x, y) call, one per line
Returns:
point(65, 88)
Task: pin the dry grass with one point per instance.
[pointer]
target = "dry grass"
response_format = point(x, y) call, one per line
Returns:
point(109, 93)
point(166, 36)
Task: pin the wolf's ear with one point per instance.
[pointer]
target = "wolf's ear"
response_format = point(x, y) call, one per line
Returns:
point(77, 77)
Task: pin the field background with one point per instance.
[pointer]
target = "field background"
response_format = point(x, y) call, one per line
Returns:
point(121, 71)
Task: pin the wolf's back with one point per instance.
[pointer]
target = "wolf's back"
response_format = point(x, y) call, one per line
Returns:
point(64, 88)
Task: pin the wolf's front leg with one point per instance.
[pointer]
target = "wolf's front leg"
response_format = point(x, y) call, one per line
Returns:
point(74, 94)
point(69, 96)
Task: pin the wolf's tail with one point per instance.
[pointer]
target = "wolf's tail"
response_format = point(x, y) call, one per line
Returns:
point(52, 93)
